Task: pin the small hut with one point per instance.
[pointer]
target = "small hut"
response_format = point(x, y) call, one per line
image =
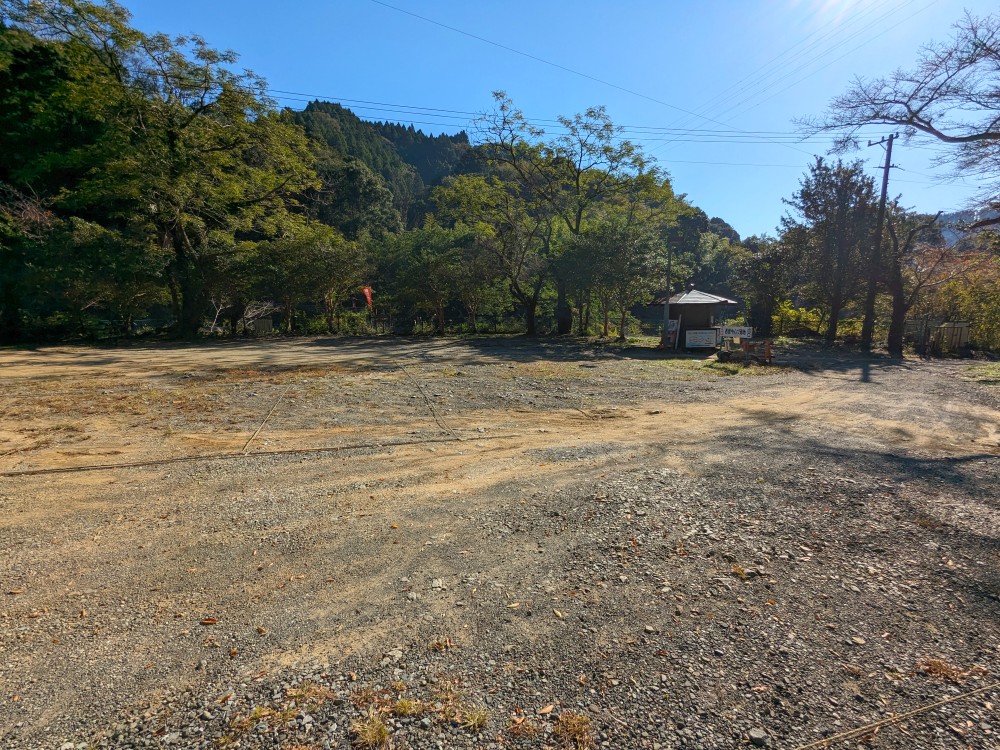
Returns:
point(698, 314)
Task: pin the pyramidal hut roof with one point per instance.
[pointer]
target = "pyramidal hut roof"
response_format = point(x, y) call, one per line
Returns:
point(694, 297)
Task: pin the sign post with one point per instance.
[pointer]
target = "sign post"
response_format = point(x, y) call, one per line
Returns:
point(701, 338)
point(737, 332)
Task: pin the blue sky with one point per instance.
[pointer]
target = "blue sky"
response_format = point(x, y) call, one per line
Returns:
point(744, 68)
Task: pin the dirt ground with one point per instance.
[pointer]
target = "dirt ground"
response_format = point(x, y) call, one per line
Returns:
point(796, 551)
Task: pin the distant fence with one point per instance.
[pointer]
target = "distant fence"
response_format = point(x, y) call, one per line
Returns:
point(938, 336)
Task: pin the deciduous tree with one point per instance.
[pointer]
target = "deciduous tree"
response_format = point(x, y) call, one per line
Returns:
point(952, 94)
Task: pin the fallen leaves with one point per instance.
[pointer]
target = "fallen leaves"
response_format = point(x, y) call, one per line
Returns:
point(943, 670)
point(209, 621)
point(546, 710)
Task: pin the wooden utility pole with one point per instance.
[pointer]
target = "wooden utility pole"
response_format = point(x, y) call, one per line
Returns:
point(665, 336)
point(875, 261)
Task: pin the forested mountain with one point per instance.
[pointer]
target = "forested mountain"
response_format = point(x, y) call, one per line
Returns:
point(433, 156)
point(343, 132)
point(408, 161)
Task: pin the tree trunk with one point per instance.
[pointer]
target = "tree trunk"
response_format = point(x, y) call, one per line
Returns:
point(831, 328)
point(191, 293)
point(606, 320)
point(897, 320)
point(564, 313)
point(530, 307)
point(765, 323)
point(175, 297)
point(624, 327)
point(10, 318)
point(440, 317)
point(289, 315)
point(897, 325)
point(331, 313)
point(236, 313)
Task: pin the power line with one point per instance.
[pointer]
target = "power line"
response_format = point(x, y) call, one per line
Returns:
point(735, 140)
point(761, 90)
point(768, 136)
point(759, 75)
point(550, 63)
point(820, 55)
point(837, 59)
point(731, 163)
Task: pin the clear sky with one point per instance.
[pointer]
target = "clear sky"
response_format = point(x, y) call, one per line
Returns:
point(727, 75)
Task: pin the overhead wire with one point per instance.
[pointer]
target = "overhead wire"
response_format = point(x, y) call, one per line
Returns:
point(542, 60)
point(756, 91)
point(841, 57)
point(633, 132)
point(664, 134)
point(567, 69)
point(762, 73)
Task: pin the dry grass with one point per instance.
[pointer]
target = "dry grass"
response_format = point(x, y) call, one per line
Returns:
point(310, 692)
point(405, 707)
point(573, 730)
point(275, 718)
point(364, 697)
point(522, 728)
point(475, 719)
point(371, 733)
point(275, 375)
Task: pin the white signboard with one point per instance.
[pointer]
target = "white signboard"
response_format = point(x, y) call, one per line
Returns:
point(700, 339)
point(672, 324)
point(737, 332)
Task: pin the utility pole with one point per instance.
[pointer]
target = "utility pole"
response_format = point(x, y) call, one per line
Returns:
point(665, 338)
point(875, 262)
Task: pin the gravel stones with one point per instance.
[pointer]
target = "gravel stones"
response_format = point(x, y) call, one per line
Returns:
point(777, 581)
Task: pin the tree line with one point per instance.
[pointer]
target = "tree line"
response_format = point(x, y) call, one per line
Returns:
point(142, 178)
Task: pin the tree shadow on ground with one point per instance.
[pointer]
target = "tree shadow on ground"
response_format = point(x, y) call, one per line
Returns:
point(472, 350)
point(942, 504)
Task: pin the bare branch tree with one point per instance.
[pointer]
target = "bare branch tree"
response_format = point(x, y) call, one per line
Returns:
point(953, 95)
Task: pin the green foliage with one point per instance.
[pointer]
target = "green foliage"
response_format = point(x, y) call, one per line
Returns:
point(144, 176)
point(762, 280)
point(829, 234)
point(425, 269)
point(404, 159)
point(787, 317)
point(973, 296)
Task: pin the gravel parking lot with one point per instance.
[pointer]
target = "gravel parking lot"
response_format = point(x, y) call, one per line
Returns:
point(321, 543)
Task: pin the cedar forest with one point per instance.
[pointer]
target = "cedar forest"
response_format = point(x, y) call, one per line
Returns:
point(147, 188)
